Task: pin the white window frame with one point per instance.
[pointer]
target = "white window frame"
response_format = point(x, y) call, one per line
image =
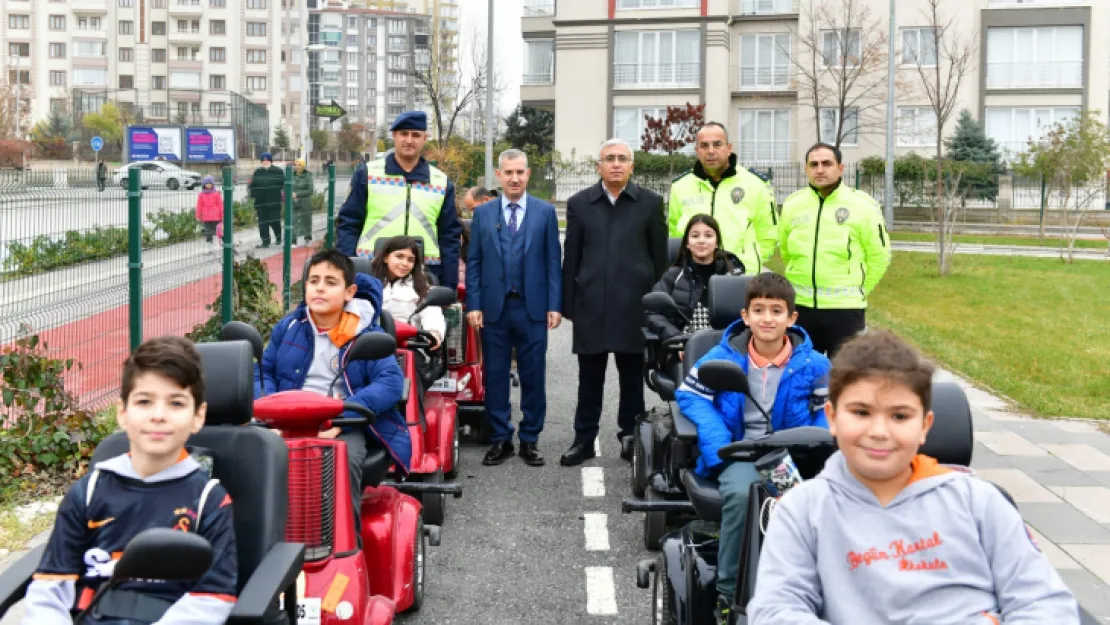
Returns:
point(830, 126)
point(1025, 69)
point(834, 36)
point(645, 73)
point(535, 46)
point(639, 5)
point(916, 127)
point(912, 40)
point(1015, 145)
point(776, 149)
point(755, 75)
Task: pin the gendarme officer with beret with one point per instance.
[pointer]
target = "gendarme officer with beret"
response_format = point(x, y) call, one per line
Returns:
point(402, 194)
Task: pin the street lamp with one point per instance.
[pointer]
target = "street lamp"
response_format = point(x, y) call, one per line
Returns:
point(306, 140)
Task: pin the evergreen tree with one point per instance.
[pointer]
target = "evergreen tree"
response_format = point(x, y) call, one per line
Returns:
point(976, 156)
point(530, 126)
point(281, 137)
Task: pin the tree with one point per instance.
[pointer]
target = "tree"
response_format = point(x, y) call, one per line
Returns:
point(840, 66)
point(14, 114)
point(941, 85)
point(674, 131)
point(319, 139)
point(281, 137)
point(52, 135)
point(978, 156)
point(530, 126)
point(351, 137)
point(108, 124)
point(1073, 156)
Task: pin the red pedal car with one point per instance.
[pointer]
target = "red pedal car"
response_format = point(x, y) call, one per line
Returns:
point(343, 584)
point(463, 381)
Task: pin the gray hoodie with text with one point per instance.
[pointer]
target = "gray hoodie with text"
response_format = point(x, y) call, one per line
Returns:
point(949, 549)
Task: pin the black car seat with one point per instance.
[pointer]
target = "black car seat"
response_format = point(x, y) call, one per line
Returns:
point(674, 245)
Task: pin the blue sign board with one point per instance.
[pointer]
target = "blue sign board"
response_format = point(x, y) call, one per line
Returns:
point(209, 145)
point(97, 144)
point(148, 143)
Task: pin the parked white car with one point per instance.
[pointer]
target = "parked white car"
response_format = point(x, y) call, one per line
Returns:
point(158, 174)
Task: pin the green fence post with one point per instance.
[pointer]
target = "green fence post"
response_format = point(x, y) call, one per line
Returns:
point(135, 256)
point(329, 238)
point(857, 176)
point(1044, 201)
point(226, 310)
point(287, 240)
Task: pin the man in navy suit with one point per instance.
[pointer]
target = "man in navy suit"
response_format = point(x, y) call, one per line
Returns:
point(514, 296)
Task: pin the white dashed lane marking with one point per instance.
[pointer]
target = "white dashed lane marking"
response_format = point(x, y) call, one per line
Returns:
point(601, 594)
point(597, 531)
point(597, 448)
point(593, 482)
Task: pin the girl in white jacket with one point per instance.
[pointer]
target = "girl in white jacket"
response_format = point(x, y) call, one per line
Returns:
point(400, 267)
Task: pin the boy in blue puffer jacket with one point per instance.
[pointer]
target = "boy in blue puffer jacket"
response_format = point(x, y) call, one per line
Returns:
point(308, 345)
point(786, 377)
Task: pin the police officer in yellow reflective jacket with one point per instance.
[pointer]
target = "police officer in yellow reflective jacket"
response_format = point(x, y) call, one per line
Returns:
point(835, 248)
point(742, 202)
point(402, 194)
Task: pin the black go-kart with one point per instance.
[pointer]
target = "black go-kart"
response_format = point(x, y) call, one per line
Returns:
point(665, 442)
point(684, 577)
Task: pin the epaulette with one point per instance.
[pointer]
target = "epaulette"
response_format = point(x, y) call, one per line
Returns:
point(760, 175)
point(688, 171)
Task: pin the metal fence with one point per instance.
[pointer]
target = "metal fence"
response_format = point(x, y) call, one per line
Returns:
point(70, 273)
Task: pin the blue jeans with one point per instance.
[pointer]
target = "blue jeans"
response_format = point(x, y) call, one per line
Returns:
point(735, 481)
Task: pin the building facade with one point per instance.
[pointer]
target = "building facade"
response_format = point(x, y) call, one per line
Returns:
point(752, 64)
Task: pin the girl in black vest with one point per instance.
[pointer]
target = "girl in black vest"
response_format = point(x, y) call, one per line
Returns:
point(687, 281)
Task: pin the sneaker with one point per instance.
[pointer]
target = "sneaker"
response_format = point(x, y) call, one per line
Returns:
point(722, 610)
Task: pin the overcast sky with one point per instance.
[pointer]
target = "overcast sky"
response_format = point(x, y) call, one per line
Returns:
point(508, 44)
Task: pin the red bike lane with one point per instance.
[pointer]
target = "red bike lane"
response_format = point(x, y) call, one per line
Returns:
point(100, 343)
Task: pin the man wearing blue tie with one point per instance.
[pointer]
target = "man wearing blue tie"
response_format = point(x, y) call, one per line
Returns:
point(514, 296)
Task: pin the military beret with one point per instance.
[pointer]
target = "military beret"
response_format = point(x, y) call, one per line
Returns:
point(410, 120)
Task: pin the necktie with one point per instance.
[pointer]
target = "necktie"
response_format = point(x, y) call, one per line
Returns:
point(513, 225)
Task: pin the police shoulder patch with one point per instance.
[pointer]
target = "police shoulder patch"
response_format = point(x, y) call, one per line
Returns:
point(682, 175)
point(762, 176)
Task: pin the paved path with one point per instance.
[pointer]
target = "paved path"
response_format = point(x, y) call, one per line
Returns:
point(1001, 250)
point(550, 545)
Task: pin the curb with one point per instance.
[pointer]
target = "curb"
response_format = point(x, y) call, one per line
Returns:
point(13, 557)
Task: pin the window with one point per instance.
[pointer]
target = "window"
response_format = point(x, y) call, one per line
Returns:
point(19, 49)
point(840, 48)
point(126, 27)
point(398, 27)
point(765, 62)
point(126, 55)
point(330, 75)
point(396, 78)
point(158, 109)
point(352, 22)
point(917, 126)
point(158, 83)
point(57, 50)
point(396, 96)
point(217, 109)
point(256, 4)
point(89, 77)
point(295, 82)
point(20, 22)
point(648, 59)
point(217, 55)
point(398, 44)
point(19, 77)
point(158, 55)
point(372, 41)
point(919, 47)
point(158, 4)
point(830, 128)
point(256, 83)
point(628, 123)
point(158, 28)
point(57, 78)
point(256, 56)
point(1049, 56)
point(766, 7)
point(89, 49)
point(126, 81)
point(540, 8)
point(57, 22)
point(396, 62)
point(352, 75)
point(88, 23)
point(126, 4)
point(217, 27)
point(217, 81)
point(765, 135)
point(331, 57)
point(623, 5)
point(352, 40)
point(1012, 128)
point(256, 29)
point(539, 62)
point(217, 4)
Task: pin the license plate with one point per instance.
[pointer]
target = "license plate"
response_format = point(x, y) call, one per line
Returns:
point(308, 611)
point(444, 385)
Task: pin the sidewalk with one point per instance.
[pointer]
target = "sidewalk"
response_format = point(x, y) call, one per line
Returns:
point(1002, 250)
point(1058, 472)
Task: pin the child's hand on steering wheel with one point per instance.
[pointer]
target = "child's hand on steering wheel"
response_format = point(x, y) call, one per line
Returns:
point(332, 433)
point(436, 340)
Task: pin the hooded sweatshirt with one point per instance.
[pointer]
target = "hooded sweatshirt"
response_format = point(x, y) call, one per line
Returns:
point(210, 202)
point(949, 549)
point(108, 507)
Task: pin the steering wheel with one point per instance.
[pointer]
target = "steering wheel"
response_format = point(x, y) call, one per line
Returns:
point(368, 417)
point(676, 343)
point(423, 340)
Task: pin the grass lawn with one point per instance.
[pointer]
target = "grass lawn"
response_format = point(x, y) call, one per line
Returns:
point(16, 531)
point(993, 239)
point(1033, 329)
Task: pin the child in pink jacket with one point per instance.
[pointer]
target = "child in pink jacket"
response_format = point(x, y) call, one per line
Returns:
point(210, 210)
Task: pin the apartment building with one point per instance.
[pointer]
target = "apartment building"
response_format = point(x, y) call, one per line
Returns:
point(601, 66)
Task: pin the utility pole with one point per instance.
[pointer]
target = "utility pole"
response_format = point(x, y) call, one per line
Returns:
point(306, 141)
point(489, 98)
point(891, 68)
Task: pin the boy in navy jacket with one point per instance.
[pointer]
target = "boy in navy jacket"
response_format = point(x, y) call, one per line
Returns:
point(786, 377)
point(157, 484)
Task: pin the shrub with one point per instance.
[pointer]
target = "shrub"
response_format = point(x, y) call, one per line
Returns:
point(176, 226)
point(48, 440)
point(254, 301)
point(319, 203)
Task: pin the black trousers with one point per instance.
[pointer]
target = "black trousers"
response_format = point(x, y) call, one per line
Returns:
point(829, 328)
point(591, 388)
point(269, 218)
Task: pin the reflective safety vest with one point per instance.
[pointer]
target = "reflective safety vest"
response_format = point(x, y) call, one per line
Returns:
point(397, 207)
point(744, 207)
point(835, 249)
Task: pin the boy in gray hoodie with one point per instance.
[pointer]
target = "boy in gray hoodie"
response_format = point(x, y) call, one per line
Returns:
point(885, 535)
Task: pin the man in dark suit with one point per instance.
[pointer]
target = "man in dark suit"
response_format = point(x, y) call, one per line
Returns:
point(514, 295)
point(616, 249)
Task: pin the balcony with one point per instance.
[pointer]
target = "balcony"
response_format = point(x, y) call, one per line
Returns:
point(190, 35)
point(92, 7)
point(766, 79)
point(766, 152)
point(539, 8)
point(656, 76)
point(765, 8)
point(542, 78)
point(1056, 75)
point(185, 8)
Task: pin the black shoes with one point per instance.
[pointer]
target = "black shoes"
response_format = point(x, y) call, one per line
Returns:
point(531, 455)
point(499, 453)
point(626, 447)
point(577, 454)
point(722, 610)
